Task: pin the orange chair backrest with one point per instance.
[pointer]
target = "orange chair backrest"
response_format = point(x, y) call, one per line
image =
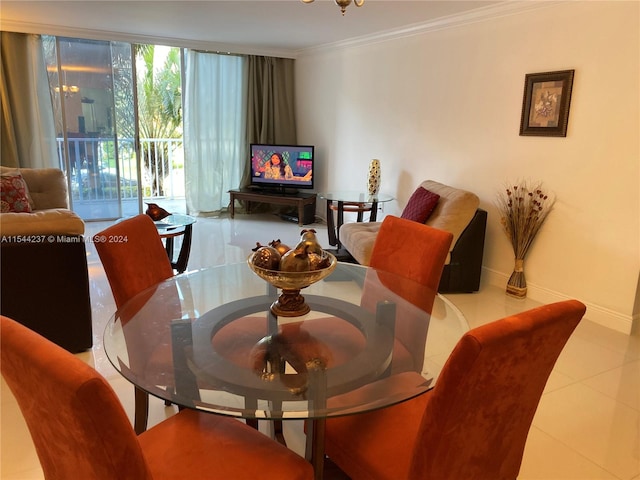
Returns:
point(414, 251)
point(77, 423)
point(478, 415)
point(133, 257)
point(136, 261)
point(414, 254)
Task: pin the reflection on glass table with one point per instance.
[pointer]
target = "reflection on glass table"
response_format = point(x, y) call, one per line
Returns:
point(208, 340)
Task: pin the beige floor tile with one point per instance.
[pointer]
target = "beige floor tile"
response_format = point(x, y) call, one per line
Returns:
point(582, 358)
point(557, 380)
point(612, 339)
point(593, 425)
point(488, 305)
point(18, 458)
point(31, 474)
point(621, 384)
point(548, 458)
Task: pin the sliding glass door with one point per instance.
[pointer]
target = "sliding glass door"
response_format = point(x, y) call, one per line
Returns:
point(92, 86)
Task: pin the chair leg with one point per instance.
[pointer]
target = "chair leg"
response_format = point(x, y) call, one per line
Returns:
point(171, 388)
point(141, 410)
point(331, 229)
point(278, 432)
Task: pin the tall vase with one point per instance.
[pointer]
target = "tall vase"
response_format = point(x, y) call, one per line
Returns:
point(373, 182)
point(517, 284)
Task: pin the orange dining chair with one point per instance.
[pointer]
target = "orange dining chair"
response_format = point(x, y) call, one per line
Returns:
point(413, 251)
point(475, 421)
point(133, 257)
point(134, 260)
point(80, 429)
point(413, 256)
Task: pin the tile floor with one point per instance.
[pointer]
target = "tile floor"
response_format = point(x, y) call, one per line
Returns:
point(587, 425)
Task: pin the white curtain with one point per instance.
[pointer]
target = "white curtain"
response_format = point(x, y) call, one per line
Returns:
point(28, 130)
point(214, 129)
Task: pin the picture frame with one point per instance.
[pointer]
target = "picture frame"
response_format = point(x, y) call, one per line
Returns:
point(546, 102)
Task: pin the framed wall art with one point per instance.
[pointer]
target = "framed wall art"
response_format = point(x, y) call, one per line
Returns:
point(545, 106)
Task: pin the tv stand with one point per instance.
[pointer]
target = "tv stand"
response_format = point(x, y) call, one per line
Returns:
point(305, 202)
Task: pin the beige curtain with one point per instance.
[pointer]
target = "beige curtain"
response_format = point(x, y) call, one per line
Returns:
point(270, 103)
point(28, 132)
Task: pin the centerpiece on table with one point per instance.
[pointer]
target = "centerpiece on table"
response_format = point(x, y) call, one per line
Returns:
point(292, 269)
point(523, 208)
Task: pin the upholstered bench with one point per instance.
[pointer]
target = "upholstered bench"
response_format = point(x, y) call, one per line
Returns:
point(454, 210)
point(45, 281)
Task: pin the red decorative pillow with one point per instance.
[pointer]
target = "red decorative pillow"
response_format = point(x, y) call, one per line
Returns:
point(14, 195)
point(420, 205)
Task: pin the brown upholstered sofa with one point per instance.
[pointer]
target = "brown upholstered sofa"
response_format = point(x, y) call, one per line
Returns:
point(458, 212)
point(44, 278)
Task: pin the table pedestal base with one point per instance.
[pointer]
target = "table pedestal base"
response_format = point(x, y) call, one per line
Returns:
point(290, 304)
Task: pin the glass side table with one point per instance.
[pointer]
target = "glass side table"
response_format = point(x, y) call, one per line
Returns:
point(358, 202)
point(173, 226)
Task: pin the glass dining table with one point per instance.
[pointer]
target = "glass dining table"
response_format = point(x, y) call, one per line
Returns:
point(208, 340)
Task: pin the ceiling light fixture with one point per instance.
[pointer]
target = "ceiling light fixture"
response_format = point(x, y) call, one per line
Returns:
point(68, 90)
point(343, 4)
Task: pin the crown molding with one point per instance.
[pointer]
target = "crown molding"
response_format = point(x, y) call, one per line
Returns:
point(109, 35)
point(502, 9)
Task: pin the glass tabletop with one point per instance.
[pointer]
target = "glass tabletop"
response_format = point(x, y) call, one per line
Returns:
point(208, 340)
point(355, 197)
point(170, 222)
point(175, 220)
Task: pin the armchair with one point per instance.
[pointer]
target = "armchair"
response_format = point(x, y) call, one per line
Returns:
point(457, 212)
point(45, 281)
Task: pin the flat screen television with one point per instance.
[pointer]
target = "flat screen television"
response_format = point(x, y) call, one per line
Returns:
point(282, 166)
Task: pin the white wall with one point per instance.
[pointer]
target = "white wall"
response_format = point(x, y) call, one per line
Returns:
point(446, 104)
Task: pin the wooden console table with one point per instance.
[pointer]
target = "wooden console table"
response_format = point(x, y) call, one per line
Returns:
point(300, 200)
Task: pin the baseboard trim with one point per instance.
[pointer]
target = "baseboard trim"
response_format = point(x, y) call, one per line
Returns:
point(596, 313)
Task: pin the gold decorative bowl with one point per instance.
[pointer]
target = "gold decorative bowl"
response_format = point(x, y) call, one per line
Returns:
point(290, 303)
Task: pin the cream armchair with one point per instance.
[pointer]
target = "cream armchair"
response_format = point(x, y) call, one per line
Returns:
point(49, 202)
point(457, 212)
point(45, 281)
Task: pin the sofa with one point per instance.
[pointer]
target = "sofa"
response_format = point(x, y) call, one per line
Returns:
point(44, 278)
point(454, 210)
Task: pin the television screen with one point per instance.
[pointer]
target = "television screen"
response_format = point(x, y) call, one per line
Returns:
point(282, 166)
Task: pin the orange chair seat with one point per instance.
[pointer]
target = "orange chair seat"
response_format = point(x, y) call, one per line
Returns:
point(370, 459)
point(246, 455)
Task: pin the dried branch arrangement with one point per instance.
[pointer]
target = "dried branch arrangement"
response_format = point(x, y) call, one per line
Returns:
point(523, 208)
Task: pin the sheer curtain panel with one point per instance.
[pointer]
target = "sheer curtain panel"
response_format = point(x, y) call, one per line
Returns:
point(28, 131)
point(214, 129)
